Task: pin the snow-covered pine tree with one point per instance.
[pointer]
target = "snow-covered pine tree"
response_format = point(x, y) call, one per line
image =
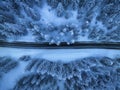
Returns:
point(32, 13)
point(75, 4)
point(77, 74)
point(7, 64)
point(60, 10)
point(53, 3)
point(66, 3)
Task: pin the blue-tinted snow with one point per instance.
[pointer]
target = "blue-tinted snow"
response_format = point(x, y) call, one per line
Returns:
point(64, 55)
point(67, 56)
point(38, 21)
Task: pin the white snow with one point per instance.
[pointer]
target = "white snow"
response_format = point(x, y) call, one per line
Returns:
point(9, 80)
point(27, 38)
point(64, 55)
point(48, 17)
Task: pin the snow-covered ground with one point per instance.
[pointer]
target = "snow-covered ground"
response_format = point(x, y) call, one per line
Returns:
point(9, 80)
point(64, 55)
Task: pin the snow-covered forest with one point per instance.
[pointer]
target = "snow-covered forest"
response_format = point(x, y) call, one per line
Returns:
point(56, 21)
point(80, 69)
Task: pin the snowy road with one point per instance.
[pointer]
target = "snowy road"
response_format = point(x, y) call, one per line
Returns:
point(58, 54)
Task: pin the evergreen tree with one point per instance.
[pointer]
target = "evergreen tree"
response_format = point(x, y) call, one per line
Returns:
point(53, 3)
point(60, 10)
point(75, 4)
